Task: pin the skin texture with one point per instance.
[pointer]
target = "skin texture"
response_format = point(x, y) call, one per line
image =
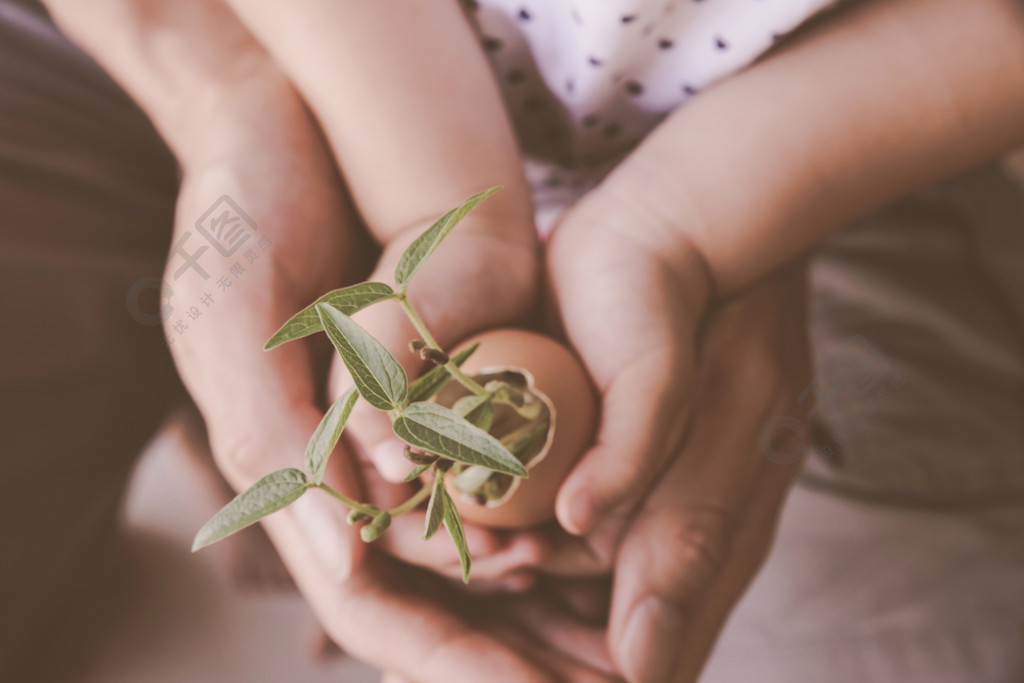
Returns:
point(246, 125)
point(879, 99)
point(870, 104)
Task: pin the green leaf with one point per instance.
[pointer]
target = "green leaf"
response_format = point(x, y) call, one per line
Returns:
point(477, 410)
point(431, 383)
point(425, 244)
point(327, 433)
point(416, 472)
point(348, 300)
point(439, 430)
point(269, 494)
point(435, 508)
point(372, 531)
point(378, 376)
point(453, 523)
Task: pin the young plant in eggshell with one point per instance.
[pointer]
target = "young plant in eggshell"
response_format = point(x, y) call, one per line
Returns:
point(546, 376)
point(492, 430)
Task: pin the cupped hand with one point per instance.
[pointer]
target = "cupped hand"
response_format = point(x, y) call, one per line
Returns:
point(558, 624)
point(252, 245)
point(699, 537)
point(677, 495)
point(261, 407)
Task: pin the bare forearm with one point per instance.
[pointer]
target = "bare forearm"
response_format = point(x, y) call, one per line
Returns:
point(887, 97)
point(189, 64)
point(407, 100)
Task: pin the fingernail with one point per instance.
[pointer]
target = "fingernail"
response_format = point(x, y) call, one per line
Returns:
point(581, 513)
point(389, 458)
point(520, 553)
point(650, 642)
point(325, 534)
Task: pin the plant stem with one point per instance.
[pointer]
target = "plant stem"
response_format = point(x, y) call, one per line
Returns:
point(453, 369)
point(411, 504)
point(407, 506)
point(365, 509)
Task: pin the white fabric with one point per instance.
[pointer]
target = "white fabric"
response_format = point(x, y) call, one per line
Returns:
point(594, 77)
point(586, 81)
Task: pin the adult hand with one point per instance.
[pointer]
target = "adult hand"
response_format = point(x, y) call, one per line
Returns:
point(239, 129)
point(425, 628)
point(677, 493)
point(557, 623)
point(261, 407)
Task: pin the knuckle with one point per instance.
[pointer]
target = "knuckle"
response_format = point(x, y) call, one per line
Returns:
point(241, 458)
point(692, 550)
point(616, 488)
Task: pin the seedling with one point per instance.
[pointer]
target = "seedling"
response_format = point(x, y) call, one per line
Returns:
point(450, 442)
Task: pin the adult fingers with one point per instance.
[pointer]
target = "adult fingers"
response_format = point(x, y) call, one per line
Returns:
point(260, 408)
point(572, 556)
point(542, 615)
point(563, 666)
point(423, 640)
point(271, 434)
point(494, 555)
point(750, 548)
point(753, 366)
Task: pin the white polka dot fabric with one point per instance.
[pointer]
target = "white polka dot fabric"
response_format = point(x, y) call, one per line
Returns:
point(586, 80)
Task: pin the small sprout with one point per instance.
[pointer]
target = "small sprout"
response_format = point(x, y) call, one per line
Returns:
point(419, 457)
point(435, 356)
point(356, 516)
point(416, 345)
point(372, 531)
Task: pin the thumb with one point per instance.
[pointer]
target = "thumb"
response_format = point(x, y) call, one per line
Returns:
point(248, 449)
point(260, 413)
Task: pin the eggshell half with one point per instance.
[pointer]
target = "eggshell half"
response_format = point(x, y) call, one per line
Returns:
point(560, 377)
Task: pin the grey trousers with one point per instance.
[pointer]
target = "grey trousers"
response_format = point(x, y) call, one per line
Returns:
point(87, 193)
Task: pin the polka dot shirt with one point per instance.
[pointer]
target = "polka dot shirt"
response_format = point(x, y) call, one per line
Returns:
point(586, 80)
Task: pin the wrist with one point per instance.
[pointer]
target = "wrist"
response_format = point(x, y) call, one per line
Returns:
point(623, 222)
point(234, 120)
point(718, 188)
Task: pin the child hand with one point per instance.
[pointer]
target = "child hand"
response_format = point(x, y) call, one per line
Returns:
point(631, 302)
point(677, 495)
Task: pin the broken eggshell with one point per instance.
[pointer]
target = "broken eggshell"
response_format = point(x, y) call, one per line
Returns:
point(551, 382)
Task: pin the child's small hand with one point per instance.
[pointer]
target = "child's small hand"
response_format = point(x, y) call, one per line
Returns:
point(631, 300)
point(677, 495)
